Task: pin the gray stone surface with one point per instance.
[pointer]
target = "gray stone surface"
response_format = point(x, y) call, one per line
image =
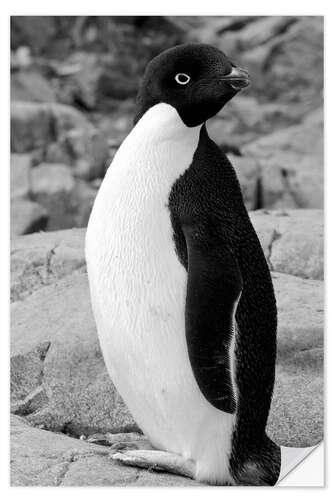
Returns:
point(26, 217)
point(248, 173)
point(243, 120)
point(68, 200)
point(30, 126)
point(297, 413)
point(42, 458)
point(61, 134)
point(29, 85)
point(292, 240)
point(79, 395)
point(20, 176)
point(39, 259)
point(52, 187)
point(291, 162)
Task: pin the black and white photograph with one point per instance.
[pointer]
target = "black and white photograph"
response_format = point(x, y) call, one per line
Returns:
point(166, 249)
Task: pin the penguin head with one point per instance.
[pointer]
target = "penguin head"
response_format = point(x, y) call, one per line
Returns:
point(196, 79)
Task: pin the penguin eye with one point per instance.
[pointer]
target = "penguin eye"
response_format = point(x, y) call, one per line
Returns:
point(182, 78)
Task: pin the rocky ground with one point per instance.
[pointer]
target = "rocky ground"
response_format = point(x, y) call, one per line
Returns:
point(59, 384)
point(73, 83)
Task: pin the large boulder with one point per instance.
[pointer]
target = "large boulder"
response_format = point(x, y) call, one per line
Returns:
point(31, 126)
point(289, 67)
point(20, 176)
point(58, 133)
point(292, 240)
point(26, 217)
point(248, 173)
point(52, 187)
point(74, 392)
point(42, 458)
point(33, 31)
point(40, 259)
point(253, 33)
point(305, 139)
point(68, 200)
point(30, 85)
point(245, 118)
point(297, 413)
point(93, 77)
point(291, 162)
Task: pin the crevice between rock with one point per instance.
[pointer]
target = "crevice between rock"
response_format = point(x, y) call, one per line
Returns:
point(275, 236)
point(37, 398)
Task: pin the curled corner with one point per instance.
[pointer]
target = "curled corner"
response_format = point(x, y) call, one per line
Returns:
point(292, 457)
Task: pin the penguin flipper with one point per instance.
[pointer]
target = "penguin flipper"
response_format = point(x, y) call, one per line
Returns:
point(214, 286)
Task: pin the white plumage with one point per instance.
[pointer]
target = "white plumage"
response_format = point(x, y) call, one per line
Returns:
point(138, 290)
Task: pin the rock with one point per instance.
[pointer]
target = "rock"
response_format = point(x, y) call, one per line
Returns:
point(42, 458)
point(30, 86)
point(245, 119)
point(61, 134)
point(300, 314)
point(20, 58)
point(80, 395)
point(36, 399)
point(91, 78)
point(26, 217)
point(209, 29)
point(81, 82)
point(33, 31)
point(82, 202)
point(248, 173)
point(20, 181)
point(294, 66)
point(297, 413)
point(262, 30)
point(31, 126)
point(284, 54)
point(255, 32)
point(52, 187)
point(305, 138)
point(118, 125)
point(118, 84)
point(80, 142)
point(292, 240)
point(291, 163)
point(40, 259)
point(27, 373)
point(68, 201)
point(96, 183)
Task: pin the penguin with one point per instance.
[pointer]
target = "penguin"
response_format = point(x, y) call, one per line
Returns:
point(180, 289)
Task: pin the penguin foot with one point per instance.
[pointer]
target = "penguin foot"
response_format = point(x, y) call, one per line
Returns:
point(157, 461)
point(121, 441)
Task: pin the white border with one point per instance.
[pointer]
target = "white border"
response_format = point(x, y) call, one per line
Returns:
point(143, 7)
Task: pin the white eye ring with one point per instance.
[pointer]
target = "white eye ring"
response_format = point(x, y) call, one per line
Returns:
point(182, 78)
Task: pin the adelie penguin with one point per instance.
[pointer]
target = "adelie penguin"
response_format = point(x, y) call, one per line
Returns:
point(180, 289)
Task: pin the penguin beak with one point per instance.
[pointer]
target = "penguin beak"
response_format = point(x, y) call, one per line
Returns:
point(238, 78)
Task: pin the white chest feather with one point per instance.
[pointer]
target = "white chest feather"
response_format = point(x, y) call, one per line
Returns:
point(138, 291)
